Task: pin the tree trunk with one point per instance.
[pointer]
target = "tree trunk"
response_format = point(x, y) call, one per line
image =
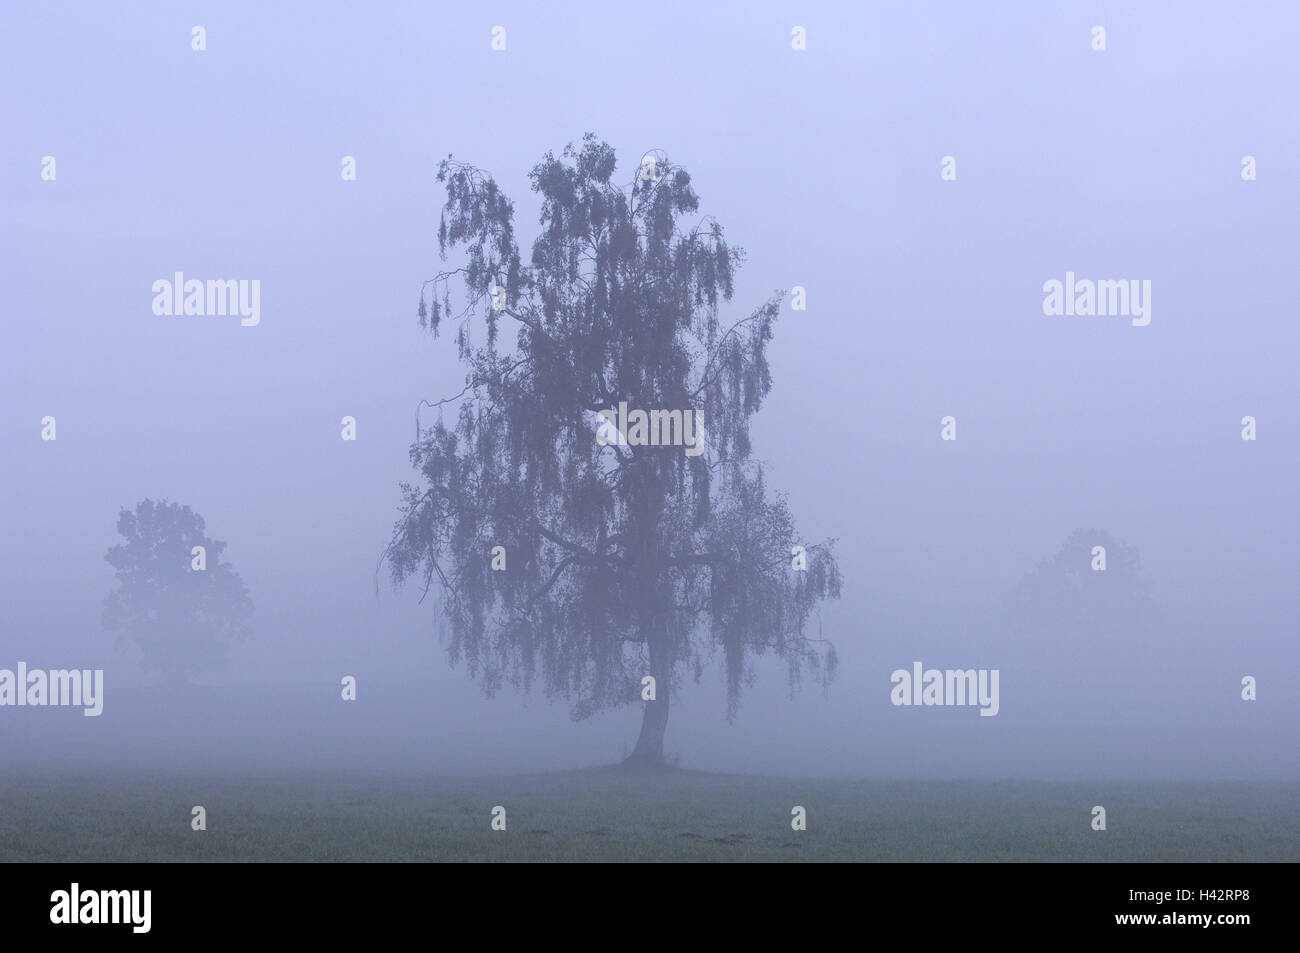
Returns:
point(649, 750)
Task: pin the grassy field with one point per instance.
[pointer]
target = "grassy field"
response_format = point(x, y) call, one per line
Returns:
point(605, 815)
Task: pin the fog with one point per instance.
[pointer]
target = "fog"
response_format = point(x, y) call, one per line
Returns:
point(925, 299)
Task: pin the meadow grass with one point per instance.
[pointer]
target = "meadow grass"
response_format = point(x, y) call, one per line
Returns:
point(610, 815)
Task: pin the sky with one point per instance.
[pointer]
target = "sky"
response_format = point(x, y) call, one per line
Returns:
point(924, 300)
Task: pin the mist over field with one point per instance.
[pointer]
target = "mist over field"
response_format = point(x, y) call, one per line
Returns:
point(924, 300)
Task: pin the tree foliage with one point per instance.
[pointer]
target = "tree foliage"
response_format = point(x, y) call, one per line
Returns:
point(180, 618)
point(1064, 599)
point(621, 560)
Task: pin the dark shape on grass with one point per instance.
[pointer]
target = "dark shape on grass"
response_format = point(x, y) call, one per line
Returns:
point(622, 561)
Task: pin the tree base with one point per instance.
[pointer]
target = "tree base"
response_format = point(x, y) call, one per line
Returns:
point(644, 764)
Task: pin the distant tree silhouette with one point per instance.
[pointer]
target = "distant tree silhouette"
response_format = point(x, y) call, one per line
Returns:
point(622, 561)
point(181, 619)
point(1064, 603)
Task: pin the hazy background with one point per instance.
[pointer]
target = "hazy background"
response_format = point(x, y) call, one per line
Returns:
point(924, 299)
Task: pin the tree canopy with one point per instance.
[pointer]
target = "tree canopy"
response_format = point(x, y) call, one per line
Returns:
point(182, 618)
point(616, 561)
point(1091, 589)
